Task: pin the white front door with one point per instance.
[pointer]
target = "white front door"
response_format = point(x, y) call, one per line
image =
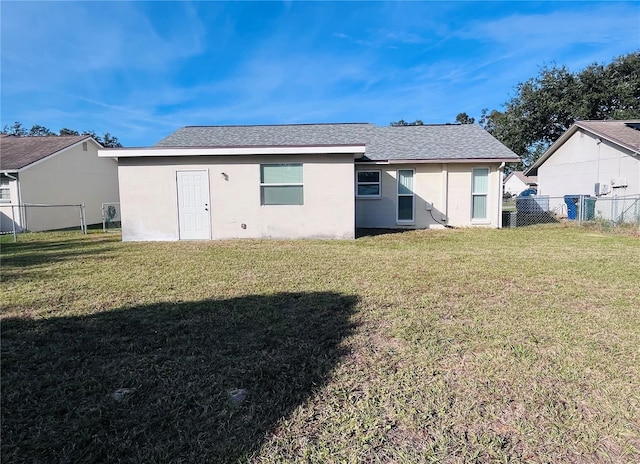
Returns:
point(193, 205)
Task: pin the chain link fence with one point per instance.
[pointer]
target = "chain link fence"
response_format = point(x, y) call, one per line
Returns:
point(33, 217)
point(542, 209)
point(30, 217)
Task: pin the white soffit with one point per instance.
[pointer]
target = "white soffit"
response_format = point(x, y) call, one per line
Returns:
point(437, 161)
point(231, 151)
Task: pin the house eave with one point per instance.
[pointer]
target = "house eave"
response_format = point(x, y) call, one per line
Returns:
point(613, 140)
point(533, 169)
point(441, 161)
point(51, 155)
point(231, 151)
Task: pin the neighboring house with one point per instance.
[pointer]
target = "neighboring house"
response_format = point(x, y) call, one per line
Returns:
point(53, 170)
point(309, 180)
point(597, 158)
point(516, 182)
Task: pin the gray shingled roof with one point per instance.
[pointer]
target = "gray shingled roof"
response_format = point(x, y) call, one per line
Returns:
point(265, 136)
point(428, 142)
point(435, 142)
point(18, 152)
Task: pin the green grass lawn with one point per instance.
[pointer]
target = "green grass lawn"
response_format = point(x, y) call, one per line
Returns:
point(516, 345)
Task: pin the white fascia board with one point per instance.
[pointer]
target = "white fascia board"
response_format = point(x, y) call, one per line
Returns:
point(231, 151)
point(441, 161)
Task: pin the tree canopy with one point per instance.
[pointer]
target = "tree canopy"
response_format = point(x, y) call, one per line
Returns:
point(546, 105)
point(402, 122)
point(106, 140)
point(461, 118)
point(464, 118)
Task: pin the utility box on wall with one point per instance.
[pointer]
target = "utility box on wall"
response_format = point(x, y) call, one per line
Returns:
point(602, 189)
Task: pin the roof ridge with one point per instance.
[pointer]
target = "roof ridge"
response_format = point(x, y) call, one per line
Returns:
point(70, 139)
point(284, 125)
point(607, 120)
point(54, 136)
point(430, 124)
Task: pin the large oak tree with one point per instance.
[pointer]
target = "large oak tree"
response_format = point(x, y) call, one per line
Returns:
point(545, 106)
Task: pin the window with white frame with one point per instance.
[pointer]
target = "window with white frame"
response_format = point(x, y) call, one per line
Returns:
point(281, 184)
point(5, 190)
point(479, 193)
point(406, 201)
point(368, 184)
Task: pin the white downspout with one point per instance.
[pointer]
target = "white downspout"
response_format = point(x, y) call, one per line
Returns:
point(500, 193)
point(445, 193)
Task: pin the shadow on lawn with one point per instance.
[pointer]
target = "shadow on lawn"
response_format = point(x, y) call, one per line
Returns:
point(181, 362)
point(24, 254)
point(370, 232)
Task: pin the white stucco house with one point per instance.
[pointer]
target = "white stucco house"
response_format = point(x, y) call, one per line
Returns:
point(53, 170)
point(596, 158)
point(309, 180)
point(516, 182)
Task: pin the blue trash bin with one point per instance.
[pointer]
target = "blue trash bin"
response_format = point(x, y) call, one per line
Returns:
point(572, 206)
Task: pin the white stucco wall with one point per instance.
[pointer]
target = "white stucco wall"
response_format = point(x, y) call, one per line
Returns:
point(582, 161)
point(72, 176)
point(148, 196)
point(447, 187)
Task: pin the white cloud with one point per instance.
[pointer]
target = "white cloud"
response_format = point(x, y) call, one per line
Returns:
point(51, 44)
point(384, 38)
point(607, 27)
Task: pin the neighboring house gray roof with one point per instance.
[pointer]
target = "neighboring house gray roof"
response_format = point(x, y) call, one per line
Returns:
point(428, 142)
point(624, 133)
point(524, 179)
point(19, 152)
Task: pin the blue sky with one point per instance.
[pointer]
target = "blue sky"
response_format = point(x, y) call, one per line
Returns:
point(140, 70)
